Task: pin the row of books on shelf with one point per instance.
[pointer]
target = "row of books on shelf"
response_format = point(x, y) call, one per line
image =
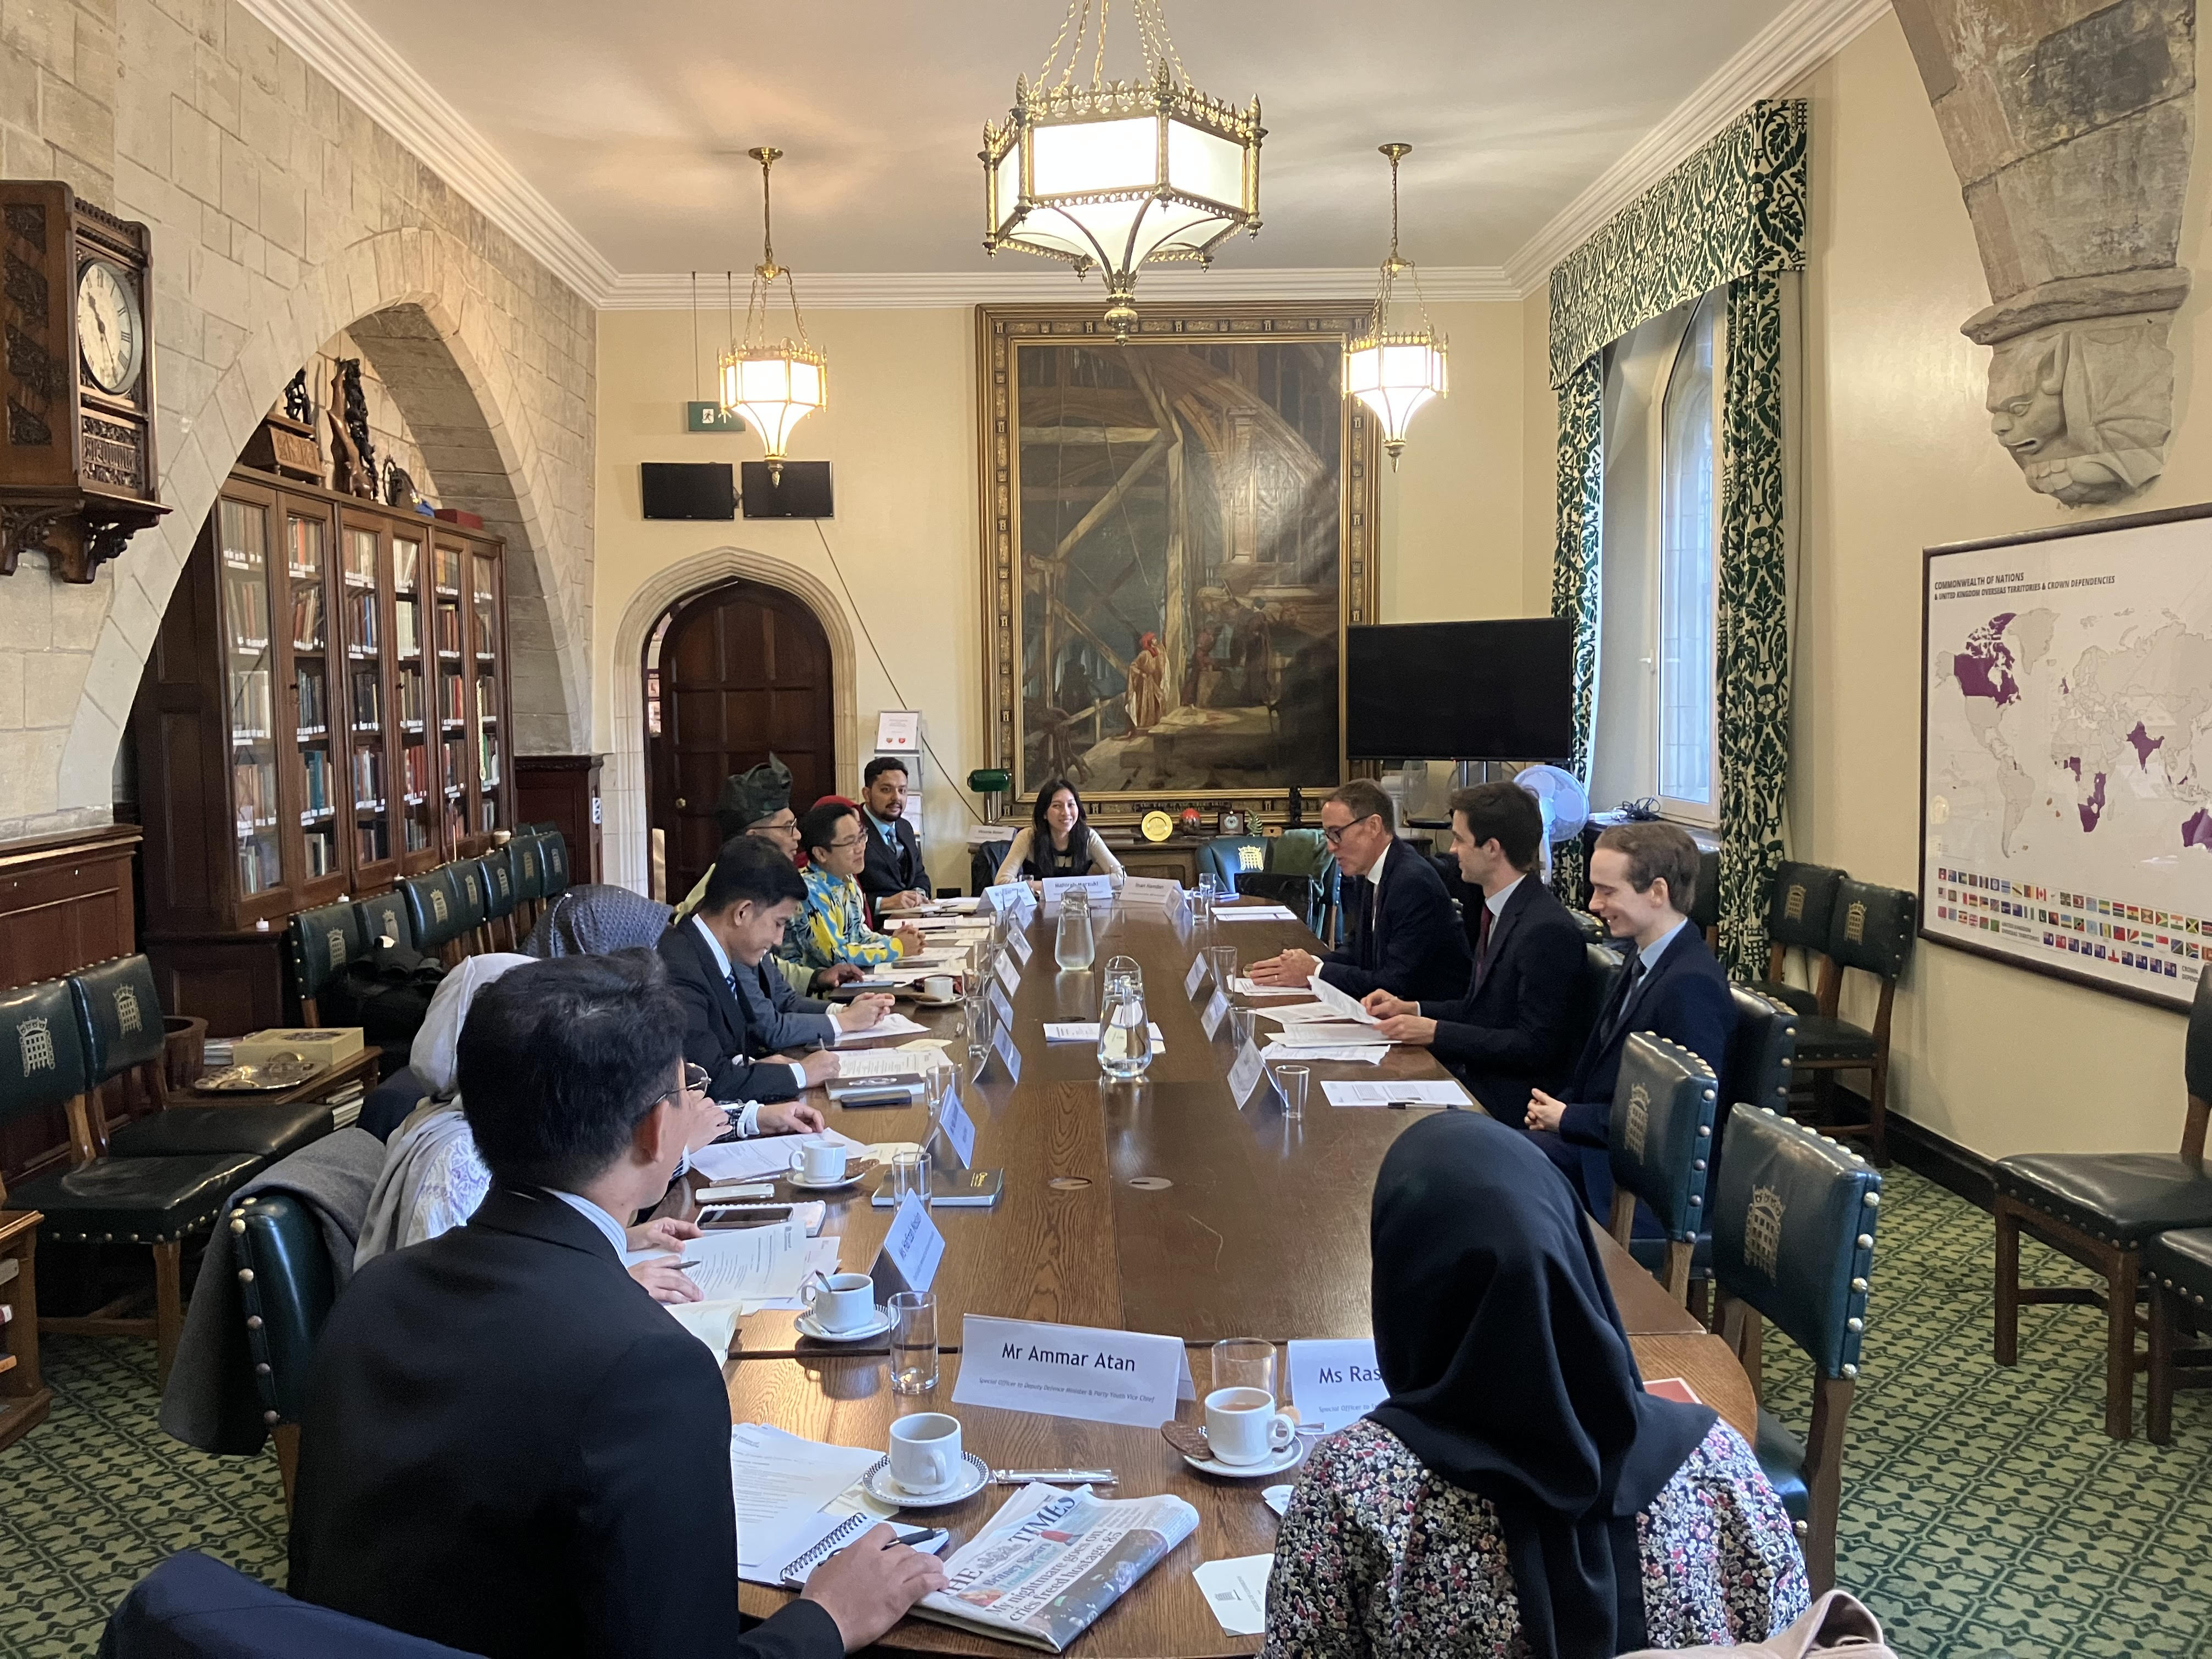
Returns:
point(306, 617)
point(410, 696)
point(449, 697)
point(314, 716)
point(407, 627)
point(316, 768)
point(367, 700)
point(251, 706)
point(253, 794)
point(368, 778)
point(449, 630)
point(322, 851)
point(247, 608)
point(260, 864)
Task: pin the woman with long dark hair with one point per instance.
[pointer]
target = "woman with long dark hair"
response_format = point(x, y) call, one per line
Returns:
point(1518, 1492)
point(1059, 840)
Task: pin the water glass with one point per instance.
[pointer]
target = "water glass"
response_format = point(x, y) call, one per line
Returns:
point(1245, 1362)
point(1240, 1027)
point(914, 1342)
point(1222, 958)
point(910, 1176)
point(1291, 1082)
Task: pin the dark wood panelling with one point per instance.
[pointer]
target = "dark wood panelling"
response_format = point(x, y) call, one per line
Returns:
point(563, 790)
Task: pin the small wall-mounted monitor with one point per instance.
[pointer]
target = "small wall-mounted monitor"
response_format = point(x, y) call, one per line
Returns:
point(1502, 690)
point(802, 492)
point(687, 489)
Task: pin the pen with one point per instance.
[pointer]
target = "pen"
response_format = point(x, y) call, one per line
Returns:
point(685, 1267)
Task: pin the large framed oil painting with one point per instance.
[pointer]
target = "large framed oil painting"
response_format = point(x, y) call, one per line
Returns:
point(1177, 532)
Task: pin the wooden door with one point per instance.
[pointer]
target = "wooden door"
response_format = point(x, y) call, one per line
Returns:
point(743, 670)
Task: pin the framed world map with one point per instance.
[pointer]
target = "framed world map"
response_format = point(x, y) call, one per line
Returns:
point(2066, 752)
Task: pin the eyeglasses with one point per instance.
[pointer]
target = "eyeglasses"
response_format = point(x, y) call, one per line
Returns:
point(779, 826)
point(847, 842)
point(1335, 836)
point(696, 1080)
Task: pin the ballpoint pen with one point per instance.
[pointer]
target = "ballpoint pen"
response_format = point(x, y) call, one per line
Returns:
point(1022, 1477)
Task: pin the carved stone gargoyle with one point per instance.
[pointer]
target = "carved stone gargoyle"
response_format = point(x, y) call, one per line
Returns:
point(2070, 128)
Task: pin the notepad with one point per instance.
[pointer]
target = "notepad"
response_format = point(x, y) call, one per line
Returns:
point(888, 1026)
point(749, 1160)
point(1347, 1092)
point(780, 1482)
point(1247, 988)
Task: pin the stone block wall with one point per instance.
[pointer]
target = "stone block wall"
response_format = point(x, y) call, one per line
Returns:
point(281, 216)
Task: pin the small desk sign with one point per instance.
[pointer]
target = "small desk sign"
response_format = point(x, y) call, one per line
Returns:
point(912, 1248)
point(1244, 1076)
point(1099, 890)
point(1195, 979)
point(1009, 975)
point(1001, 1010)
point(1002, 1045)
point(1008, 896)
point(1018, 944)
point(1070, 1371)
point(1216, 1010)
point(955, 1128)
point(1336, 1384)
point(1150, 890)
point(705, 415)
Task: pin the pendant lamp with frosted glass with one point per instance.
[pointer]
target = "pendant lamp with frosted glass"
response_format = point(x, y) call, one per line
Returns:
point(1118, 174)
point(1395, 372)
point(772, 384)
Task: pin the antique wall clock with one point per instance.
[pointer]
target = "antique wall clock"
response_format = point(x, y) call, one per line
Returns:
point(77, 470)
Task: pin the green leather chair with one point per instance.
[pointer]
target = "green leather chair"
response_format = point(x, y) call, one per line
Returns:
point(1871, 930)
point(1706, 902)
point(469, 893)
point(1792, 1243)
point(435, 910)
point(1660, 1146)
point(158, 1202)
point(496, 877)
point(1593, 930)
point(385, 916)
point(1226, 857)
point(525, 861)
point(285, 1284)
point(553, 851)
point(1798, 913)
point(324, 942)
point(2108, 1211)
point(119, 1017)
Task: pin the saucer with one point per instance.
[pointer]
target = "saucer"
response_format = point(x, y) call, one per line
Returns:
point(922, 1001)
point(878, 1485)
point(877, 1324)
point(797, 1184)
point(1287, 1459)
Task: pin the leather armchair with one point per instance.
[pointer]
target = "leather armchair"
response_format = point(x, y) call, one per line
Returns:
point(1227, 857)
point(119, 1017)
point(1794, 1219)
point(1660, 1142)
point(1798, 913)
point(191, 1607)
point(2102, 1209)
point(1706, 902)
point(286, 1287)
point(323, 942)
point(158, 1202)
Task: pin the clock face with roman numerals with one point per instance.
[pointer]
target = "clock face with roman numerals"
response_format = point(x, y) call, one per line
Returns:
point(111, 333)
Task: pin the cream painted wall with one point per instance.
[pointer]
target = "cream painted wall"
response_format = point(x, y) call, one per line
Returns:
point(899, 431)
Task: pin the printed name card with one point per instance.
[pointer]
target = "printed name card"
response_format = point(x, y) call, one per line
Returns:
point(1244, 1076)
point(1070, 1371)
point(955, 1128)
point(1099, 890)
point(1336, 1384)
point(1018, 942)
point(1007, 895)
point(1196, 977)
point(1002, 1045)
point(1150, 890)
point(1001, 1010)
point(911, 1249)
point(1216, 1010)
point(1009, 975)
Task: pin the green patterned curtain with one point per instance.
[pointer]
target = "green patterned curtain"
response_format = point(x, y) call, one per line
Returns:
point(1733, 214)
point(1574, 575)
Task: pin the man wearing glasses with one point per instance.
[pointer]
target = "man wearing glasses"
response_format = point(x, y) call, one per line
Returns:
point(838, 923)
point(1403, 936)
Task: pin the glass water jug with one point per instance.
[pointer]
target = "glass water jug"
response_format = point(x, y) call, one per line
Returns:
point(1073, 946)
point(1125, 1032)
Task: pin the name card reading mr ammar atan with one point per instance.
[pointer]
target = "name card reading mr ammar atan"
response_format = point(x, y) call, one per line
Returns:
point(1335, 1383)
point(1070, 1371)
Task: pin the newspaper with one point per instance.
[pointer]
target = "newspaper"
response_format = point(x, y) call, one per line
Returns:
point(1050, 1562)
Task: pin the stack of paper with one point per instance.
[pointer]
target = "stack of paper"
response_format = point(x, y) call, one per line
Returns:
point(1333, 1034)
point(1254, 913)
point(1358, 1054)
point(1343, 1005)
point(749, 1160)
point(1246, 988)
point(1301, 1013)
point(889, 1062)
point(1086, 1030)
point(1344, 1093)
point(888, 1026)
point(782, 1483)
point(747, 1264)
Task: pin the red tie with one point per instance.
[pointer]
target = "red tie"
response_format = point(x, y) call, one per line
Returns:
point(1482, 942)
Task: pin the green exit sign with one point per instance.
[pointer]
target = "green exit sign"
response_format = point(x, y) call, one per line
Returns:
point(710, 416)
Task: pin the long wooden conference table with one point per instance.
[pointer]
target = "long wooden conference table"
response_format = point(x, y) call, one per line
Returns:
point(1157, 1207)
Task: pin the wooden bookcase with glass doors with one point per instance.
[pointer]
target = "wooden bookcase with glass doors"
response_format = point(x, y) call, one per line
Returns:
point(325, 711)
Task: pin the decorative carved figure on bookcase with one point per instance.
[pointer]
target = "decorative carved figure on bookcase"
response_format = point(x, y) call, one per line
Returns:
point(399, 485)
point(356, 403)
point(351, 472)
point(298, 405)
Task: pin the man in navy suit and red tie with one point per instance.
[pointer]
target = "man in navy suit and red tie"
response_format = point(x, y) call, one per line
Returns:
point(1643, 879)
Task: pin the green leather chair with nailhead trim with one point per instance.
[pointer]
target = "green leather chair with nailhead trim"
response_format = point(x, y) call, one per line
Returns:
point(1660, 1146)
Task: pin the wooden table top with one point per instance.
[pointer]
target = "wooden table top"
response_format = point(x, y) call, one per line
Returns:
point(1261, 1230)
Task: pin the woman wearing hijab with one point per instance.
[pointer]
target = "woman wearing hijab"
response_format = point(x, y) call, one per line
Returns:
point(1518, 1493)
point(593, 919)
point(432, 1179)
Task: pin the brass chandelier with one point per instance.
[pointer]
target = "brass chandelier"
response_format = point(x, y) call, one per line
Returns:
point(1117, 174)
point(1396, 373)
point(772, 384)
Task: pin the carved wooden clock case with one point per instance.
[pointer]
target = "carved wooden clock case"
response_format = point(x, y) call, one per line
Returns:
point(77, 470)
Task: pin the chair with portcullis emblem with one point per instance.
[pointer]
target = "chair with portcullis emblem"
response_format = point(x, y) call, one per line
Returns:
point(1798, 912)
point(1661, 1140)
point(324, 943)
point(1870, 930)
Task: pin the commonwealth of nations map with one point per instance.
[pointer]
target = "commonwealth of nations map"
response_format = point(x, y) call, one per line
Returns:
point(2067, 789)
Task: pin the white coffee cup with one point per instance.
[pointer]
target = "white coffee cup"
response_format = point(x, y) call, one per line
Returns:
point(840, 1301)
point(925, 1451)
point(1242, 1426)
point(938, 988)
point(819, 1161)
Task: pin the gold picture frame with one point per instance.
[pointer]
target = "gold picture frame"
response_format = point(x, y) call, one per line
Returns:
point(1212, 684)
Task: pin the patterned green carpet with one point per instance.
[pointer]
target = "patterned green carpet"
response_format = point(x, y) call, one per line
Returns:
point(1985, 1513)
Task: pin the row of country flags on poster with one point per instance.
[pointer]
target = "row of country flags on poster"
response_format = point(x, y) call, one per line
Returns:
point(2155, 942)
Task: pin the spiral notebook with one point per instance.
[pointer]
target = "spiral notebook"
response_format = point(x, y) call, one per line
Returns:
point(837, 1532)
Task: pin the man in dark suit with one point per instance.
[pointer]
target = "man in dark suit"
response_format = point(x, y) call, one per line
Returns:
point(1404, 938)
point(894, 877)
point(1513, 1029)
point(507, 1445)
point(749, 894)
point(1643, 879)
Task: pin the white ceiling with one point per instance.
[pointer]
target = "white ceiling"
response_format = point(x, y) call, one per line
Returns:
point(627, 123)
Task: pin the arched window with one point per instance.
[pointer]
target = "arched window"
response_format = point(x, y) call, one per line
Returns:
point(1688, 530)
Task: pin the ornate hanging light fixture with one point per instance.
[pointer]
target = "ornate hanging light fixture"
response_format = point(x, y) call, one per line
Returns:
point(773, 385)
point(1394, 374)
point(1117, 174)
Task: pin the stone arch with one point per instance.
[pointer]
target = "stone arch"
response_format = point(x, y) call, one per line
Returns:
point(404, 275)
point(626, 851)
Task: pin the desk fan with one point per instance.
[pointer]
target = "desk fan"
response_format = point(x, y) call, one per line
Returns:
point(1562, 800)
